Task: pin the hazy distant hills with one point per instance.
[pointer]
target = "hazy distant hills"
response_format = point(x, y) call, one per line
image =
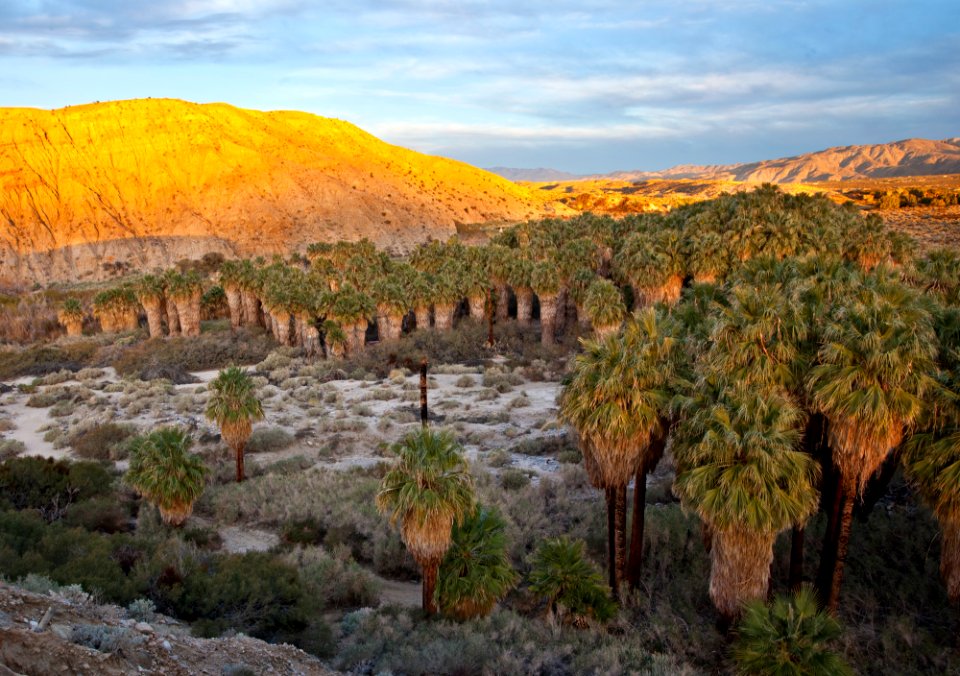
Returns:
point(151, 181)
point(539, 175)
point(912, 157)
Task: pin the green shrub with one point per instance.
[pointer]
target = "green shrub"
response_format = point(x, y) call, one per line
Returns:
point(51, 486)
point(11, 448)
point(103, 513)
point(307, 531)
point(513, 479)
point(106, 639)
point(334, 580)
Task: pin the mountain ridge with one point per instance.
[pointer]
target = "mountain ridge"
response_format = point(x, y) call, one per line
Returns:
point(907, 157)
point(155, 180)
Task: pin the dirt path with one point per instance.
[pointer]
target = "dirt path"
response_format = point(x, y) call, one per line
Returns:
point(29, 420)
point(400, 593)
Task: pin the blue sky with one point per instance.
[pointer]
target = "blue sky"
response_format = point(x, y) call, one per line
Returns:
point(579, 86)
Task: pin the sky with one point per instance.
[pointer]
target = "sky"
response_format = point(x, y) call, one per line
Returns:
point(584, 87)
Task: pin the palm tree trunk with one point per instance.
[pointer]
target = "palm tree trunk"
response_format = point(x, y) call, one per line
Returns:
point(620, 518)
point(833, 502)
point(423, 317)
point(740, 568)
point(74, 327)
point(635, 562)
point(239, 451)
point(251, 308)
point(548, 319)
point(152, 309)
point(443, 316)
point(611, 540)
point(524, 306)
point(950, 558)
point(503, 302)
point(429, 587)
point(796, 557)
point(235, 305)
point(477, 305)
point(281, 320)
point(173, 318)
point(843, 542)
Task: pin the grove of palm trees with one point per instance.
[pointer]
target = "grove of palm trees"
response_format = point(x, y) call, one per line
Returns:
point(749, 460)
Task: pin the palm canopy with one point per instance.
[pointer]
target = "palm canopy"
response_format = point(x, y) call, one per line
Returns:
point(876, 367)
point(739, 466)
point(164, 471)
point(620, 392)
point(561, 573)
point(233, 398)
point(426, 491)
point(603, 303)
point(476, 571)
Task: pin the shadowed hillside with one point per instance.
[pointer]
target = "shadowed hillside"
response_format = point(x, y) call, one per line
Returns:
point(154, 181)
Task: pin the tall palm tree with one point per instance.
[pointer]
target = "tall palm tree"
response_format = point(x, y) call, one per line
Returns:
point(393, 303)
point(545, 281)
point(619, 399)
point(875, 371)
point(476, 571)
point(419, 289)
point(789, 636)
point(234, 406)
point(448, 292)
point(352, 310)
point(249, 280)
point(425, 492)
point(231, 281)
point(116, 309)
point(652, 262)
point(71, 316)
point(150, 290)
point(740, 469)
point(164, 472)
point(476, 281)
point(519, 276)
point(185, 290)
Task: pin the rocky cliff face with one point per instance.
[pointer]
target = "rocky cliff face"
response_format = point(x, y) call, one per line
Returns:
point(151, 181)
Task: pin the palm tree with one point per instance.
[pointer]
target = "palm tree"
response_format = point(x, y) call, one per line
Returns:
point(789, 636)
point(519, 277)
point(475, 572)
point(499, 264)
point(573, 588)
point(116, 309)
point(448, 292)
point(166, 474)
point(425, 492)
point(875, 370)
point(234, 406)
point(249, 280)
point(707, 256)
point(618, 398)
point(419, 289)
point(476, 281)
point(604, 307)
point(393, 303)
point(71, 316)
point(352, 310)
point(652, 262)
point(185, 291)
point(740, 470)
point(150, 290)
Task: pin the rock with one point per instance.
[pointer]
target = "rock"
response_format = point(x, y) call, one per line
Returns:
point(166, 645)
point(143, 628)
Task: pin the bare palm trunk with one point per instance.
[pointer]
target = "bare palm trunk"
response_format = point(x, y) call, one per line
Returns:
point(423, 317)
point(429, 587)
point(611, 539)
point(188, 310)
point(251, 308)
point(74, 327)
point(281, 320)
point(833, 504)
point(424, 409)
point(239, 451)
point(548, 318)
point(235, 305)
point(796, 557)
point(635, 562)
point(443, 316)
point(389, 326)
point(950, 558)
point(620, 519)
point(173, 318)
point(153, 309)
point(524, 306)
point(843, 542)
point(356, 337)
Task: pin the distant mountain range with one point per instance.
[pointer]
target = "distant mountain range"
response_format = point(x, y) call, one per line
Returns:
point(911, 157)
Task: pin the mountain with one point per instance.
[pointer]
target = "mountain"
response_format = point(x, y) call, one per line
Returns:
point(539, 175)
point(151, 181)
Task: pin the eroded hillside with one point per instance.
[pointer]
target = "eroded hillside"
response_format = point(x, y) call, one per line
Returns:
point(154, 181)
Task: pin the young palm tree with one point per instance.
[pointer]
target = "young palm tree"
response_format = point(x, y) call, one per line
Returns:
point(475, 572)
point(150, 290)
point(425, 492)
point(740, 469)
point(573, 588)
point(166, 474)
point(875, 371)
point(789, 636)
point(604, 307)
point(71, 316)
point(234, 406)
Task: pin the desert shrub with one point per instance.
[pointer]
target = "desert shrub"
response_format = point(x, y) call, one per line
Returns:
point(142, 610)
point(499, 458)
point(548, 445)
point(102, 442)
point(106, 639)
point(62, 409)
point(103, 513)
point(176, 357)
point(306, 531)
point(465, 381)
point(269, 440)
point(514, 479)
point(42, 399)
point(11, 448)
point(28, 319)
point(571, 585)
point(488, 394)
point(42, 359)
point(7, 425)
point(570, 457)
point(521, 401)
